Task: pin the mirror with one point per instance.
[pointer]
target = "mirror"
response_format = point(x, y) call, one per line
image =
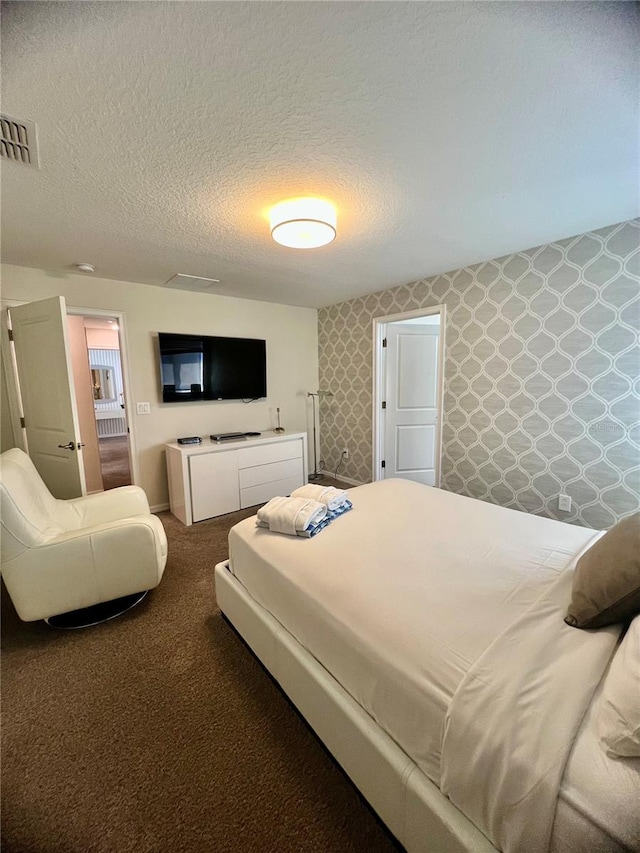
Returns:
point(102, 382)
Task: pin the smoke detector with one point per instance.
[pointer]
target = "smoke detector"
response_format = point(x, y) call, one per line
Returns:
point(18, 141)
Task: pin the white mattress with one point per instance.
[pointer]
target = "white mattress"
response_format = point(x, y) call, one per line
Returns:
point(401, 648)
point(462, 574)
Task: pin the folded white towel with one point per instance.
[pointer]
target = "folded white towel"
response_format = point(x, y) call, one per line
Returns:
point(331, 497)
point(312, 530)
point(291, 515)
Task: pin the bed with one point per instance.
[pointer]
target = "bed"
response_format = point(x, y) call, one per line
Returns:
point(421, 636)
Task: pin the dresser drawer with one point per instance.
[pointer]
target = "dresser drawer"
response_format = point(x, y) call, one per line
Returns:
point(276, 452)
point(265, 491)
point(259, 474)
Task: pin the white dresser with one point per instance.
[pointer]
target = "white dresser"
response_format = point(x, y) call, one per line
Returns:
point(216, 477)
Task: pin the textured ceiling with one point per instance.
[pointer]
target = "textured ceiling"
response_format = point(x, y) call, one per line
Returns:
point(446, 134)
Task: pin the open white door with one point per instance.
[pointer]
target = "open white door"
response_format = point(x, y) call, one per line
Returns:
point(411, 396)
point(48, 398)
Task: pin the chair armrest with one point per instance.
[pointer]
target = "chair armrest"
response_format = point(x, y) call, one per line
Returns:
point(113, 505)
point(109, 530)
point(125, 552)
point(78, 568)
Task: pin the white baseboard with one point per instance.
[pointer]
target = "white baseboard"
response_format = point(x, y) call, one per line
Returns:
point(159, 507)
point(340, 477)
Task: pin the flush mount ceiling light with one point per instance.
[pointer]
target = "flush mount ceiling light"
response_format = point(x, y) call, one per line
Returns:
point(303, 223)
point(85, 267)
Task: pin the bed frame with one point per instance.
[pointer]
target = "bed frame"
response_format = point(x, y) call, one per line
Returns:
point(409, 803)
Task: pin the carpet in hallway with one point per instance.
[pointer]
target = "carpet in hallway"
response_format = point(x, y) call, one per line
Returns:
point(114, 461)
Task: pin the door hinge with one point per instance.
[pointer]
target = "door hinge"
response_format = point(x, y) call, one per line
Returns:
point(384, 342)
point(384, 404)
point(22, 423)
point(10, 332)
point(383, 464)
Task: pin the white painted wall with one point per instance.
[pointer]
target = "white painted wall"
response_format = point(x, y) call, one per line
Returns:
point(102, 338)
point(292, 356)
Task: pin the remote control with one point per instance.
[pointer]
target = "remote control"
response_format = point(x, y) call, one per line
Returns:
point(253, 433)
point(191, 439)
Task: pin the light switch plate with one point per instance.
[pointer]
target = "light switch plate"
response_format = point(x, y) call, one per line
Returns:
point(143, 408)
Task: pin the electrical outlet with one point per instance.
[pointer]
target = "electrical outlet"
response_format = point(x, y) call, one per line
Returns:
point(143, 408)
point(564, 503)
point(345, 453)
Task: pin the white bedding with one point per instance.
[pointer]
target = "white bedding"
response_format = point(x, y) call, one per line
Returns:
point(599, 803)
point(512, 721)
point(478, 568)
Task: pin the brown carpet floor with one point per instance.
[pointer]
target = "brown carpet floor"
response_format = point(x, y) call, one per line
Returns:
point(114, 461)
point(160, 731)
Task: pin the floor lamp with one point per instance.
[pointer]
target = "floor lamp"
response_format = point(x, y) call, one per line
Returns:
point(313, 394)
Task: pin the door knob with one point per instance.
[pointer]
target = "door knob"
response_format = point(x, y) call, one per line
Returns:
point(80, 444)
point(70, 446)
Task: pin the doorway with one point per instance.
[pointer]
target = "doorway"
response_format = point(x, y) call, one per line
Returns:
point(50, 392)
point(408, 395)
point(106, 381)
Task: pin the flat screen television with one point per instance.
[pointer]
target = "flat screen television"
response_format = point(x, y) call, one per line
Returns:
point(201, 367)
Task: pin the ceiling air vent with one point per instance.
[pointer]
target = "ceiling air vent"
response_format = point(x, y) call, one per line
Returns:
point(18, 141)
point(191, 282)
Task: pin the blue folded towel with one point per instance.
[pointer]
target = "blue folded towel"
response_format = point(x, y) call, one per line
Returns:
point(313, 529)
point(334, 513)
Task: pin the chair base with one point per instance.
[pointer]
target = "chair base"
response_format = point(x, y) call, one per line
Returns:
point(96, 614)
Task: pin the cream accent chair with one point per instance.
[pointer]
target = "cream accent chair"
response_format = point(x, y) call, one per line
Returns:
point(60, 556)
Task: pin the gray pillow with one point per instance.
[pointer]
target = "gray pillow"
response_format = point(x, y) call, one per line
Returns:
point(606, 582)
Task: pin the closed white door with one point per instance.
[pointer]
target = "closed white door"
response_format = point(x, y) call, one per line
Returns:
point(411, 397)
point(48, 397)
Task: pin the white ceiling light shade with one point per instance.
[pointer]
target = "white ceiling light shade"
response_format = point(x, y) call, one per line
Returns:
point(85, 267)
point(303, 223)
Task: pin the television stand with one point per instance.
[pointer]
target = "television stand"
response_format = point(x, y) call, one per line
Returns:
point(220, 476)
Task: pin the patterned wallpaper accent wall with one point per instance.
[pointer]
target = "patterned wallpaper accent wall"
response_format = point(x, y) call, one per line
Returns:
point(542, 376)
